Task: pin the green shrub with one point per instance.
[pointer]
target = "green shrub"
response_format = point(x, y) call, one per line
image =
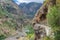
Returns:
point(57, 35)
point(2, 37)
point(47, 38)
point(30, 34)
point(53, 18)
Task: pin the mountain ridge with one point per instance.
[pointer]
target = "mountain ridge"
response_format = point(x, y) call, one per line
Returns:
point(30, 8)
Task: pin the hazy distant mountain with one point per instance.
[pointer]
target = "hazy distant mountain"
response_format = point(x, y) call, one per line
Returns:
point(30, 8)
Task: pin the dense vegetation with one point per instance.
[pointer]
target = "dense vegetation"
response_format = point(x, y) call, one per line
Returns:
point(53, 18)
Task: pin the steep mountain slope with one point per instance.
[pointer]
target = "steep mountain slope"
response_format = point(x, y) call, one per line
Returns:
point(9, 16)
point(30, 8)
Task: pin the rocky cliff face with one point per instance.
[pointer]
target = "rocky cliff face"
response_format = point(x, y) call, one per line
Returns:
point(40, 16)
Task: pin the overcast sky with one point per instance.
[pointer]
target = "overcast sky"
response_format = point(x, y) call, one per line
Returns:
point(27, 1)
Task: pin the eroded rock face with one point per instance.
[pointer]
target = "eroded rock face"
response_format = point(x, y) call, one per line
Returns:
point(41, 14)
point(41, 31)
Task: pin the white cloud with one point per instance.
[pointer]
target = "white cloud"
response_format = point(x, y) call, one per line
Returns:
point(27, 1)
point(18, 3)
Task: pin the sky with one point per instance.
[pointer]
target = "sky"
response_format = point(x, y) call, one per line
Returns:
point(27, 1)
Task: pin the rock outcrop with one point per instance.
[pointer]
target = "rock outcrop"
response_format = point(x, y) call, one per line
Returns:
point(40, 17)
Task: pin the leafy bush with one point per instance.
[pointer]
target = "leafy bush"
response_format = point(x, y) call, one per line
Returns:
point(57, 35)
point(47, 38)
point(30, 34)
point(2, 37)
point(53, 18)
